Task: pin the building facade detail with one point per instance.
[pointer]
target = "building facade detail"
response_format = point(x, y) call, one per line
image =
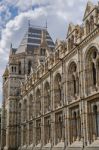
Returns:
point(51, 91)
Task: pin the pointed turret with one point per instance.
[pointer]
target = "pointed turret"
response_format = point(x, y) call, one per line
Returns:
point(90, 6)
point(6, 74)
point(12, 50)
point(70, 29)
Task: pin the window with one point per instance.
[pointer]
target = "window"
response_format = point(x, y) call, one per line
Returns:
point(15, 69)
point(38, 102)
point(72, 41)
point(47, 100)
point(42, 52)
point(91, 23)
point(73, 81)
point(94, 74)
point(87, 27)
point(57, 91)
point(96, 120)
point(75, 125)
point(74, 84)
point(91, 70)
point(19, 66)
point(29, 67)
point(12, 69)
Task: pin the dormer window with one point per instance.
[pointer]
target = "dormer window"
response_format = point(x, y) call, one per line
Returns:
point(72, 41)
point(42, 52)
point(87, 27)
point(91, 23)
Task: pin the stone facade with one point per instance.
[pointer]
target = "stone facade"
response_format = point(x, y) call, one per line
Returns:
point(51, 93)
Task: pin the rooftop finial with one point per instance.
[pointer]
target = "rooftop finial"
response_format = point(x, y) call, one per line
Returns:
point(11, 45)
point(28, 23)
point(46, 24)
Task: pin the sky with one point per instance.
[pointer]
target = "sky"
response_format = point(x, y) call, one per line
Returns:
point(15, 16)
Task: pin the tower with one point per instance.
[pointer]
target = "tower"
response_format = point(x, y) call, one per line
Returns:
point(21, 60)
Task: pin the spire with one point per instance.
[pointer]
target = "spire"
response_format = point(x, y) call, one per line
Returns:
point(11, 45)
point(11, 49)
point(46, 24)
point(29, 23)
point(43, 36)
point(6, 72)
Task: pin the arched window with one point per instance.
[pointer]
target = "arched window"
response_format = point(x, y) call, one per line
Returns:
point(19, 66)
point(97, 68)
point(19, 133)
point(24, 135)
point(38, 131)
point(94, 73)
point(25, 110)
point(29, 67)
point(31, 133)
point(91, 23)
point(91, 70)
point(78, 124)
point(87, 27)
point(47, 98)
point(19, 113)
point(47, 129)
point(42, 52)
point(74, 84)
point(59, 127)
point(12, 68)
point(73, 81)
point(96, 120)
point(69, 44)
point(38, 102)
point(57, 91)
point(72, 41)
point(30, 106)
point(75, 125)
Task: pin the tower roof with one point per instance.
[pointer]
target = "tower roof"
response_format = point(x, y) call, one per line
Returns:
point(6, 72)
point(32, 40)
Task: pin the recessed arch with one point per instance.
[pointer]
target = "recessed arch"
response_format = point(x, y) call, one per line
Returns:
point(30, 106)
point(88, 49)
point(47, 98)
point(38, 102)
point(73, 81)
point(57, 90)
point(91, 69)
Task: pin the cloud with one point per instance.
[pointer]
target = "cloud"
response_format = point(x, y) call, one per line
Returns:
point(16, 26)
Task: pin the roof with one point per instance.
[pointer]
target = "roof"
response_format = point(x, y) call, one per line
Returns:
point(32, 40)
point(6, 72)
point(90, 6)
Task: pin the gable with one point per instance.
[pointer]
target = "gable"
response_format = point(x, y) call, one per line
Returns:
point(90, 6)
point(70, 29)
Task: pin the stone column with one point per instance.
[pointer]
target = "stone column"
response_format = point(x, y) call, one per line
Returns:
point(27, 134)
point(53, 128)
point(68, 126)
point(8, 138)
point(22, 143)
point(34, 132)
point(42, 131)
